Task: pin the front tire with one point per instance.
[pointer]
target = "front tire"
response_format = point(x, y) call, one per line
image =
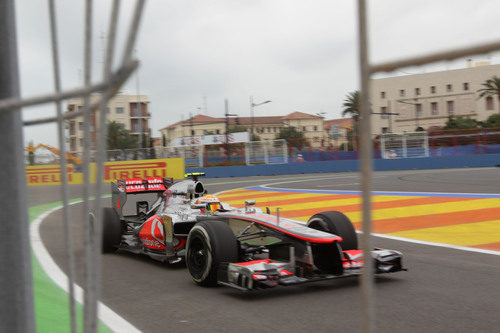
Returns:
point(111, 230)
point(338, 224)
point(209, 244)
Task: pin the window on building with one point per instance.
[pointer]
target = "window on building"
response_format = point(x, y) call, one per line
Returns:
point(192, 132)
point(384, 114)
point(466, 86)
point(382, 94)
point(119, 110)
point(81, 143)
point(80, 108)
point(315, 128)
point(450, 107)
point(449, 88)
point(385, 130)
point(72, 144)
point(418, 109)
point(304, 128)
point(80, 125)
point(489, 103)
point(217, 131)
point(417, 91)
point(434, 108)
point(72, 128)
point(433, 89)
point(401, 92)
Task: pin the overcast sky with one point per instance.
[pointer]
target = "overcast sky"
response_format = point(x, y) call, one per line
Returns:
point(302, 55)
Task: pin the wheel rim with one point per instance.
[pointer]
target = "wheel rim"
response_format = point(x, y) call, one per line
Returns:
point(197, 257)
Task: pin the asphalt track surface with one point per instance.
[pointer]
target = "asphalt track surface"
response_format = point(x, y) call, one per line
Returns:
point(445, 290)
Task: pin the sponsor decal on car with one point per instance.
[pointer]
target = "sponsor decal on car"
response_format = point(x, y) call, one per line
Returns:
point(152, 233)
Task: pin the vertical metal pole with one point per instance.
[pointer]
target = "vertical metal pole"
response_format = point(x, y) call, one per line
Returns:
point(426, 145)
point(68, 235)
point(16, 292)
point(367, 295)
point(382, 147)
point(251, 117)
point(266, 153)
point(285, 150)
point(226, 108)
point(405, 150)
point(389, 109)
point(247, 153)
point(89, 292)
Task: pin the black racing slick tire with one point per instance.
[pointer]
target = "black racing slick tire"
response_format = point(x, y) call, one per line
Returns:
point(209, 244)
point(111, 230)
point(338, 224)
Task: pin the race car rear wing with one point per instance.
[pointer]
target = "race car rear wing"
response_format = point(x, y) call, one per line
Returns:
point(124, 187)
point(141, 185)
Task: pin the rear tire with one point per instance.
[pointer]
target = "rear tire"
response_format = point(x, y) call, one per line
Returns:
point(209, 244)
point(338, 224)
point(111, 230)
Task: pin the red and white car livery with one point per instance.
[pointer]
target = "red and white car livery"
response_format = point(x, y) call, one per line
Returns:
point(241, 248)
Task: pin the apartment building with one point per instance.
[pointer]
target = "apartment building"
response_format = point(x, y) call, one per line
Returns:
point(131, 111)
point(423, 101)
point(265, 127)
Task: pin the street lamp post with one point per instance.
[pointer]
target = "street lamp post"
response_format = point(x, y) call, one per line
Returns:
point(252, 106)
point(227, 115)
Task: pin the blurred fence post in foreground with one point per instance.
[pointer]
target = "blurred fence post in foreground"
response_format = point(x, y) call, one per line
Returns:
point(16, 291)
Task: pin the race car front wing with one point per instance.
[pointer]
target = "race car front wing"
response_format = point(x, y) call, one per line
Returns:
point(267, 273)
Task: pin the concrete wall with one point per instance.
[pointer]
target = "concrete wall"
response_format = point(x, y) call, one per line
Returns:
point(486, 160)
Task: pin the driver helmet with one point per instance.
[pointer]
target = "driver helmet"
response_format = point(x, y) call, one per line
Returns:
point(211, 201)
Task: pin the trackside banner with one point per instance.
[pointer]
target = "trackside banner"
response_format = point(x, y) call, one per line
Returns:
point(50, 174)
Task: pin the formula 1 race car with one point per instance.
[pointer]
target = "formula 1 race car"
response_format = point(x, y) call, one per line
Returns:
point(242, 248)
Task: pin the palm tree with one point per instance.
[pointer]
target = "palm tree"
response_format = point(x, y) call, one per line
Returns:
point(351, 105)
point(491, 88)
point(351, 108)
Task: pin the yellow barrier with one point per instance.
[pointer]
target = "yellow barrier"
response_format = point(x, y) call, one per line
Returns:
point(50, 174)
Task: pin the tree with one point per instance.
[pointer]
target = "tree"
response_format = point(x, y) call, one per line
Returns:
point(460, 123)
point(152, 150)
point(237, 128)
point(120, 138)
point(491, 88)
point(241, 128)
point(351, 108)
point(493, 121)
point(293, 137)
point(351, 105)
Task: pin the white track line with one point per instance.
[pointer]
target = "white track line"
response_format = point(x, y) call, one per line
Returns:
point(110, 318)
point(408, 240)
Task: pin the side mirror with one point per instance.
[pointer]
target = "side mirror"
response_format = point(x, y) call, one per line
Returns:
point(249, 203)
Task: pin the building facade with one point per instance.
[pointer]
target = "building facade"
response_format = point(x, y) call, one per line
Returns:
point(423, 101)
point(131, 111)
point(267, 128)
